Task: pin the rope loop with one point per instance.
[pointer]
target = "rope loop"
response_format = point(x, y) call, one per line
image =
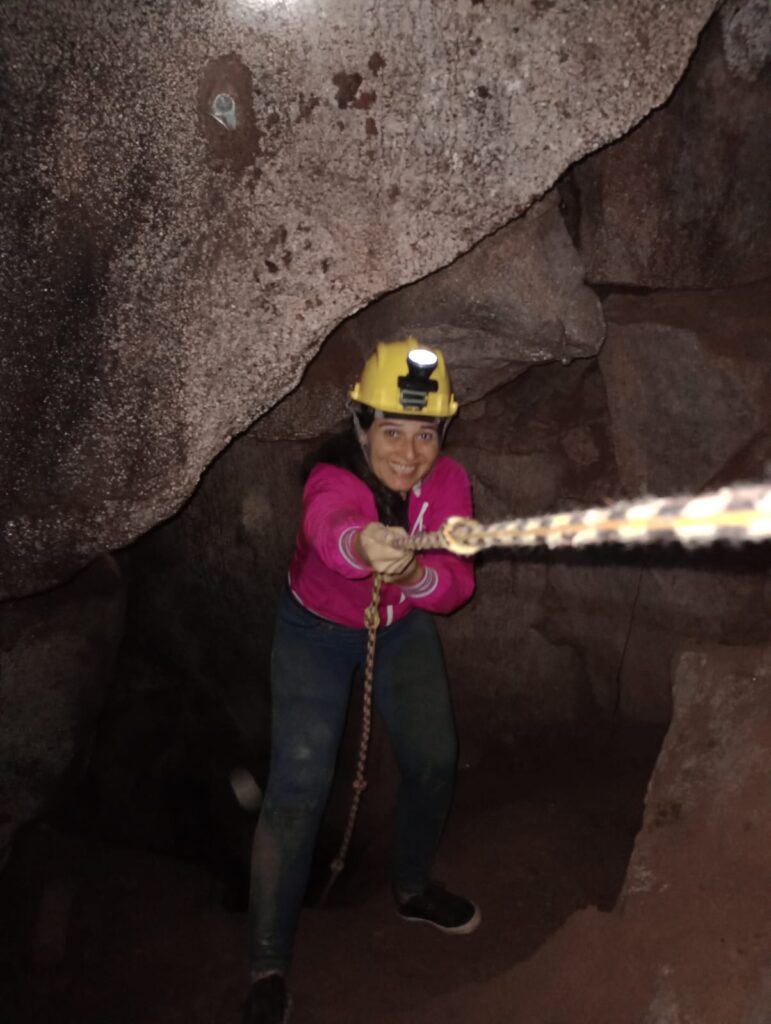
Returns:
point(458, 534)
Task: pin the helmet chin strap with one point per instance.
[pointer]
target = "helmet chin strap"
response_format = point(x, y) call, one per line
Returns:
point(361, 437)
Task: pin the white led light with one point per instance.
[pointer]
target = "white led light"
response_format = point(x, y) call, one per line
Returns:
point(422, 357)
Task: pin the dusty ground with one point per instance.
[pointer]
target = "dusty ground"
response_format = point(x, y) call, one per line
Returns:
point(97, 933)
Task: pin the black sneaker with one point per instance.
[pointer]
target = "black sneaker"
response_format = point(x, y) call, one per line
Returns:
point(267, 1002)
point(441, 908)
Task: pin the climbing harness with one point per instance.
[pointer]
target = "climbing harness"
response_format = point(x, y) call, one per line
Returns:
point(740, 514)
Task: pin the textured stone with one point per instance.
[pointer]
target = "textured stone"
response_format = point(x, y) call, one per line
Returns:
point(514, 300)
point(56, 659)
point(690, 939)
point(163, 284)
point(569, 641)
point(689, 388)
point(205, 586)
point(746, 32)
point(685, 200)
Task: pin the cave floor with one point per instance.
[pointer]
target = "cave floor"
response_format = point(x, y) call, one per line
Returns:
point(100, 934)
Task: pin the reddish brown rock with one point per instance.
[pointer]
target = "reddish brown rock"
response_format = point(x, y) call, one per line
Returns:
point(690, 939)
point(689, 388)
point(684, 201)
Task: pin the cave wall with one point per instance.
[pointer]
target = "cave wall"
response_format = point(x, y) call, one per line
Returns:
point(166, 279)
point(555, 648)
point(141, 349)
point(58, 653)
point(686, 201)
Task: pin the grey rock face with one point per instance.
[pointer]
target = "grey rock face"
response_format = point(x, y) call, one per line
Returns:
point(746, 32)
point(685, 200)
point(166, 277)
point(515, 300)
point(56, 659)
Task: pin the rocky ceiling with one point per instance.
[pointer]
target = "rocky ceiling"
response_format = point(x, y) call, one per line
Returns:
point(167, 273)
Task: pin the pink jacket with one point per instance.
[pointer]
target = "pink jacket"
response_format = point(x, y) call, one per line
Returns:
point(327, 578)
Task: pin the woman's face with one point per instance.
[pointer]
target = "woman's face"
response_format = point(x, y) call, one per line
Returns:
point(402, 452)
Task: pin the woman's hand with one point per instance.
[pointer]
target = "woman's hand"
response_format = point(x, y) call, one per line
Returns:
point(409, 577)
point(373, 545)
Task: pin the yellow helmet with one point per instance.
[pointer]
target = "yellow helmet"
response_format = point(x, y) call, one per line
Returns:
point(407, 379)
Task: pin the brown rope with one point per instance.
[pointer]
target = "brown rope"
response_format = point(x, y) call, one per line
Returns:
point(372, 622)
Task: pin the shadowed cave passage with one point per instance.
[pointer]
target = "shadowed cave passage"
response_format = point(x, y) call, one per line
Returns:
point(605, 309)
point(105, 931)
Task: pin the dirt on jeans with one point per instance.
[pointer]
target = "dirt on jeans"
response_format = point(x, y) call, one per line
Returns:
point(99, 934)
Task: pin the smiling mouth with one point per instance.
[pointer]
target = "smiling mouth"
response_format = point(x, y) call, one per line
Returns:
point(402, 470)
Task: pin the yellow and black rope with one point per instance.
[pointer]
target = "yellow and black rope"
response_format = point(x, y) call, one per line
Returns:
point(739, 515)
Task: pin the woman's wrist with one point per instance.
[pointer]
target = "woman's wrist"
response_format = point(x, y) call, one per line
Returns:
point(410, 577)
point(358, 549)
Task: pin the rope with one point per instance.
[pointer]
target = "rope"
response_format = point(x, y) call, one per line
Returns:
point(738, 514)
point(372, 622)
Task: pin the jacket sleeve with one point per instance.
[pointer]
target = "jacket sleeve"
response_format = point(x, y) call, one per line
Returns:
point(448, 580)
point(333, 512)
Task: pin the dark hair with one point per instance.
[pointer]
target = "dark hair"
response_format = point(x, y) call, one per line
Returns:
point(343, 450)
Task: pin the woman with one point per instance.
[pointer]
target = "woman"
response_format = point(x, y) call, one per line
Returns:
point(388, 477)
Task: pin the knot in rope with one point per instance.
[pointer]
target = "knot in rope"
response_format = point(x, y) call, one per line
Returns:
point(372, 617)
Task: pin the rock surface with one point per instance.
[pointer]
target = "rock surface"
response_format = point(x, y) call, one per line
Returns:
point(689, 387)
point(685, 200)
point(690, 940)
point(57, 652)
point(515, 300)
point(165, 280)
point(746, 31)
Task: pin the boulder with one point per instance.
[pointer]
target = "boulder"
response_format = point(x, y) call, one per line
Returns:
point(688, 387)
point(746, 31)
point(684, 201)
point(515, 300)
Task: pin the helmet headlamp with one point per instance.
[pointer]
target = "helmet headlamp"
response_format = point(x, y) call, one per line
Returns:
point(424, 390)
point(416, 386)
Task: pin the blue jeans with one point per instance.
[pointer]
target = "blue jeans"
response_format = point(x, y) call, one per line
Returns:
point(312, 666)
